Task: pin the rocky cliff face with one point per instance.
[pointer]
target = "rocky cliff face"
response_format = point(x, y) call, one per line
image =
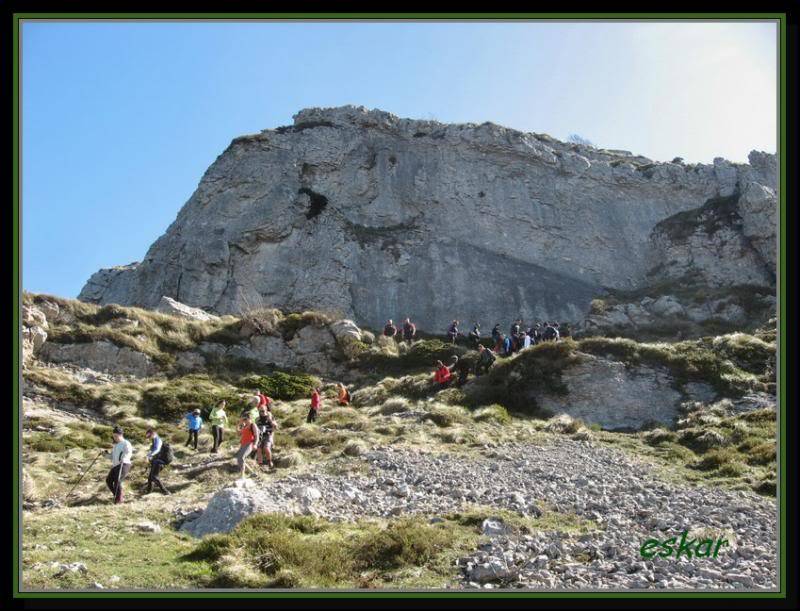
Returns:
point(371, 216)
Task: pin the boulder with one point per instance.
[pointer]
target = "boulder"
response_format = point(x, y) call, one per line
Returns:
point(101, 356)
point(494, 569)
point(32, 316)
point(342, 329)
point(167, 305)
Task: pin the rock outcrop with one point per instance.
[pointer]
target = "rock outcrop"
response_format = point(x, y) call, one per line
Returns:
point(371, 216)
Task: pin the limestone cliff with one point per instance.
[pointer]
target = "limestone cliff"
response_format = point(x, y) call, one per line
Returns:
point(370, 216)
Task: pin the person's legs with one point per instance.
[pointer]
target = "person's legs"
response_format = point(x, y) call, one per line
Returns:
point(214, 437)
point(111, 479)
point(268, 450)
point(241, 455)
point(126, 467)
point(195, 438)
point(189, 439)
point(155, 470)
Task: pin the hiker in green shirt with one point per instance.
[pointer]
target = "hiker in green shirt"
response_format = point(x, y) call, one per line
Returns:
point(218, 419)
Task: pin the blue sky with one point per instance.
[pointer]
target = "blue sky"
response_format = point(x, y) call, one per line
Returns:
point(120, 120)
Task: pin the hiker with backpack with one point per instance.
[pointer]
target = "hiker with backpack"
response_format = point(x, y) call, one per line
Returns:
point(195, 423)
point(248, 440)
point(219, 420)
point(475, 336)
point(497, 337)
point(159, 455)
point(508, 347)
point(453, 332)
point(442, 376)
point(389, 330)
point(486, 359)
point(266, 426)
point(316, 404)
point(460, 367)
point(550, 333)
point(121, 459)
point(409, 330)
point(537, 334)
point(343, 394)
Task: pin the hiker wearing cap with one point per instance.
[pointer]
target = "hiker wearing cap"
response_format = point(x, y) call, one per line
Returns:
point(266, 426)
point(316, 404)
point(218, 419)
point(248, 440)
point(121, 458)
point(155, 456)
point(389, 330)
point(486, 359)
point(342, 394)
point(195, 423)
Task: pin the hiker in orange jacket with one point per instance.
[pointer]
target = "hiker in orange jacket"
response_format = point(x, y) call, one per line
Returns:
point(442, 375)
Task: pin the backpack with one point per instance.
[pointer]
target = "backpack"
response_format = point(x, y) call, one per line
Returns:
point(165, 454)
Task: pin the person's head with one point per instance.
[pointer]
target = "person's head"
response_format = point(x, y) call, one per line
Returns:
point(117, 433)
point(439, 364)
point(246, 416)
point(150, 433)
point(196, 412)
point(481, 347)
point(389, 322)
point(454, 359)
point(222, 404)
point(408, 320)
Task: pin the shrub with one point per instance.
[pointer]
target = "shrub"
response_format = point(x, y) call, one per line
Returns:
point(598, 306)
point(281, 385)
point(492, 413)
point(403, 543)
point(660, 435)
point(171, 400)
point(446, 415)
point(564, 423)
point(717, 458)
point(395, 405)
point(762, 454)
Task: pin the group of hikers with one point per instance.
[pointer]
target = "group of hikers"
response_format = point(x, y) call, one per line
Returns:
point(257, 424)
point(256, 427)
point(515, 340)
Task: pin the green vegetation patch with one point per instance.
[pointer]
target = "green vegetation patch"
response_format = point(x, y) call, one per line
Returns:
point(282, 385)
point(276, 551)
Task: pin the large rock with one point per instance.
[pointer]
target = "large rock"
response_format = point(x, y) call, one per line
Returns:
point(101, 356)
point(613, 395)
point(372, 216)
point(230, 506)
point(176, 308)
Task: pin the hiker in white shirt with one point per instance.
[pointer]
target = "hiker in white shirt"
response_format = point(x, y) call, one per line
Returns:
point(121, 455)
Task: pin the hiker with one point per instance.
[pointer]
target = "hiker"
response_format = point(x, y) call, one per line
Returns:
point(195, 423)
point(389, 330)
point(266, 426)
point(248, 440)
point(452, 332)
point(316, 403)
point(496, 337)
point(442, 375)
point(460, 367)
point(550, 333)
point(564, 330)
point(159, 455)
point(515, 328)
point(486, 359)
point(121, 455)
point(537, 334)
point(409, 330)
point(343, 394)
point(218, 419)
point(526, 341)
point(475, 335)
point(507, 345)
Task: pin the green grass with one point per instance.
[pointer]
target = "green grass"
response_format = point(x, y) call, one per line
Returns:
point(277, 551)
point(149, 561)
point(282, 385)
point(697, 360)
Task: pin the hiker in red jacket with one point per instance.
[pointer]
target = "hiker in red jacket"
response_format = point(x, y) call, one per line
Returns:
point(263, 400)
point(442, 375)
point(316, 403)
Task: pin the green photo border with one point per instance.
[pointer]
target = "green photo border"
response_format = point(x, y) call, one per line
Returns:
point(781, 19)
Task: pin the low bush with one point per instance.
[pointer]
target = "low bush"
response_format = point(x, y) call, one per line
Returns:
point(492, 413)
point(281, 385)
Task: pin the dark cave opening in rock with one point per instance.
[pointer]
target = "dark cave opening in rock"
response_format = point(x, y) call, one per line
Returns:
point(318, 202)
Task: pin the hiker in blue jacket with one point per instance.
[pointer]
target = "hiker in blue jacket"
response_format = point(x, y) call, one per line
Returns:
point(195, 424)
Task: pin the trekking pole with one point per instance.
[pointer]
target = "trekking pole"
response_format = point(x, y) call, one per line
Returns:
point(82, 476)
